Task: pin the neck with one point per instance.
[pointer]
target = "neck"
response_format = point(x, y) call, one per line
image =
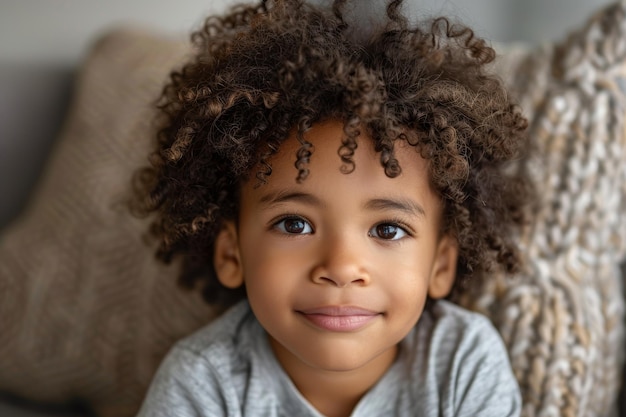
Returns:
point(333, 393)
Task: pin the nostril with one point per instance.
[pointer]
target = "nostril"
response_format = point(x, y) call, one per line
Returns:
point(326, 280)
point(340, 283)
point(339, 275)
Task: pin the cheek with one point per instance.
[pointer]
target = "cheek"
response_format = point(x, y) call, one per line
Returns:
point(411, 266)
point(406, 289)
point(272, 282)
point(407, 298)
point(405, 279)
point(269, 271)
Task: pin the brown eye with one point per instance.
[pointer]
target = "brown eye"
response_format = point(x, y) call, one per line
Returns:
point(294, 226)
point(387, 231)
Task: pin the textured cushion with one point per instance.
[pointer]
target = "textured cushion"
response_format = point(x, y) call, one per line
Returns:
point(562, 319)
point(86, 312)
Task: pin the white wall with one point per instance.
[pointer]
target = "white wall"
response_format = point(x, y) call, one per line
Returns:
point(539, 20)
point(58, 31)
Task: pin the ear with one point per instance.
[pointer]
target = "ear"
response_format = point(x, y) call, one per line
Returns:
point(226, 258)
point(444, 269)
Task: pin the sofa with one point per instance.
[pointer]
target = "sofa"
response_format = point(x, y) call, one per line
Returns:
point(87, 313)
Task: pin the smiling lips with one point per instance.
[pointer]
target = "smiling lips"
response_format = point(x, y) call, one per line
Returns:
point(339, 319)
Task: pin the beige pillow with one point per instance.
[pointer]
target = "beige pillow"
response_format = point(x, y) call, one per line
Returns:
point(562, 319)
point(87, 313)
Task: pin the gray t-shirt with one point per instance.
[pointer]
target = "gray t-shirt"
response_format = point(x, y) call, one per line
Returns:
point(453, 363)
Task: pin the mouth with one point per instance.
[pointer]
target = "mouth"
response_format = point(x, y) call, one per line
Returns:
point(339, 318)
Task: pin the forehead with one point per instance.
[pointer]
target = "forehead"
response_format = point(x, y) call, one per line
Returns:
point(327, 144)
point(366, 182)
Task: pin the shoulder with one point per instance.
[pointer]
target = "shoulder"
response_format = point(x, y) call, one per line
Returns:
point(460, 337)
point(218, 349)
point(199, 371)
point(466, 358)
point(443, 310)
point(452, 323)
point(223, 333)
point(449, 338)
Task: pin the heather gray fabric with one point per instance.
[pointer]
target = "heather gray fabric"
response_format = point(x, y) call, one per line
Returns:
point(453, 363)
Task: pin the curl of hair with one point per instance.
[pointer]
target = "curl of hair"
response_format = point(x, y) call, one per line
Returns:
point(259, 72)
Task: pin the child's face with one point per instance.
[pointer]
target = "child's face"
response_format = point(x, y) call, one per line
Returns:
point(337, 268)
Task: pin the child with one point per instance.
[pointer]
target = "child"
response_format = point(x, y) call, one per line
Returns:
point(331, 185)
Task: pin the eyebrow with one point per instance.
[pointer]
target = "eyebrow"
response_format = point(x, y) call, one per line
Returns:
point(283, 196)
point(405, 205)
point(408, 206)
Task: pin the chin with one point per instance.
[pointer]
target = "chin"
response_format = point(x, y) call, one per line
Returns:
point(346, 358)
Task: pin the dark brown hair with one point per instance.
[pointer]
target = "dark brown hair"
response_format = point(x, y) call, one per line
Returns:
point(261, 71)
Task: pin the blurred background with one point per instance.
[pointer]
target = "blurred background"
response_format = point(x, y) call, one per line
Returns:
point(42, 43)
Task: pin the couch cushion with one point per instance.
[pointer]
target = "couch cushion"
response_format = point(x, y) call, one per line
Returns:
point(562, 319)
point(85, 310)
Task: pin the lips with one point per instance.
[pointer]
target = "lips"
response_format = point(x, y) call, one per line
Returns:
point(339, 318)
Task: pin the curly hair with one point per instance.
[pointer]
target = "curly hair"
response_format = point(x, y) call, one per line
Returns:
point(263, 71)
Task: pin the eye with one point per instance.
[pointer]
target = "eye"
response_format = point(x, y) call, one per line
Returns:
point(387, 231)
point(294, 226)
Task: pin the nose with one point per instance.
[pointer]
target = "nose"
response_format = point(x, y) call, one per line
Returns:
point(341, 263)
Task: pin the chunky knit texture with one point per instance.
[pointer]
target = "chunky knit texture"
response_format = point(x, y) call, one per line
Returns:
point(87, 313)
point(562, 319)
